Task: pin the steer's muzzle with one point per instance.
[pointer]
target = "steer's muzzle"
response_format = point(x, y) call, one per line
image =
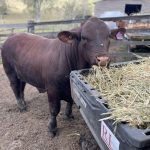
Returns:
point(103, 61)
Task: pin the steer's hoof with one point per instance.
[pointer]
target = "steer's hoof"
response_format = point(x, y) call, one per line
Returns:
point(68, 117)
point(23, 109)
point(22, 106)
point(53, 132)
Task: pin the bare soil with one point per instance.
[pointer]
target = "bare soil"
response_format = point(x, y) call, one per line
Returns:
point(29, 130)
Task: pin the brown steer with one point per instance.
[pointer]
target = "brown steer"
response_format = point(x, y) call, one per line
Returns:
point(47, 63)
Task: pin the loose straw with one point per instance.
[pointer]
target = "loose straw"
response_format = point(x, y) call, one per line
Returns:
point(127, 91)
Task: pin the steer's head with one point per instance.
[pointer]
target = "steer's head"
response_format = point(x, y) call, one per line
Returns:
point(94, 39)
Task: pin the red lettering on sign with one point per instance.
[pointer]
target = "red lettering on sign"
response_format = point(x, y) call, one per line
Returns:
point(106, 137)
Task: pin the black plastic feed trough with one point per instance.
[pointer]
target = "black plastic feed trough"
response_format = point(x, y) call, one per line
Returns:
point(107, 135)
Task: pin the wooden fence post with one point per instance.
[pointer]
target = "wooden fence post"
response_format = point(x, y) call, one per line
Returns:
point(30, 26)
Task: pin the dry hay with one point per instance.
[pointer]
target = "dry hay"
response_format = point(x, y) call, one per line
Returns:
point(127, 92)
point(138, 25)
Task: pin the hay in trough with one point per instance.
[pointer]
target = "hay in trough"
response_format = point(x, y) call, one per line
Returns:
point(126, 90)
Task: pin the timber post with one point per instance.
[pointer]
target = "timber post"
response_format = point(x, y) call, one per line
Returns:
point(30, 26)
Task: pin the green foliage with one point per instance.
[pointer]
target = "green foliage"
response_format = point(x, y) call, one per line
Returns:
point(64, 9)
point(3, 7)
point(72, 9)
point(35, 7)
point(69, 9)
point(44, 10)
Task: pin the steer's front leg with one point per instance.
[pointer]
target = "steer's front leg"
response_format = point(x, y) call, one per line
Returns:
point(68, 111)
point(54, 104)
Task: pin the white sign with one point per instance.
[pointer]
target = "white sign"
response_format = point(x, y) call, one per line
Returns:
point(108, 137)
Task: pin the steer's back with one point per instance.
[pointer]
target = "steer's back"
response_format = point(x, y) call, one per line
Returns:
point(23, 43)
point(27, 54)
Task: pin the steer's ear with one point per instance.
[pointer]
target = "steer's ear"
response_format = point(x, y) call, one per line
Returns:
point(67, 36)
point(118, 34)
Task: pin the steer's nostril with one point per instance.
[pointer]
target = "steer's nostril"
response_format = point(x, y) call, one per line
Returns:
point(97, 59)
point(103, 60)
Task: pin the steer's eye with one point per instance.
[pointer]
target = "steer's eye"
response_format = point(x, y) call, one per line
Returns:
point(84, 38)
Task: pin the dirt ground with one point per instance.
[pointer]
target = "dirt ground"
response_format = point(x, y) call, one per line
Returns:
point(29, 130)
